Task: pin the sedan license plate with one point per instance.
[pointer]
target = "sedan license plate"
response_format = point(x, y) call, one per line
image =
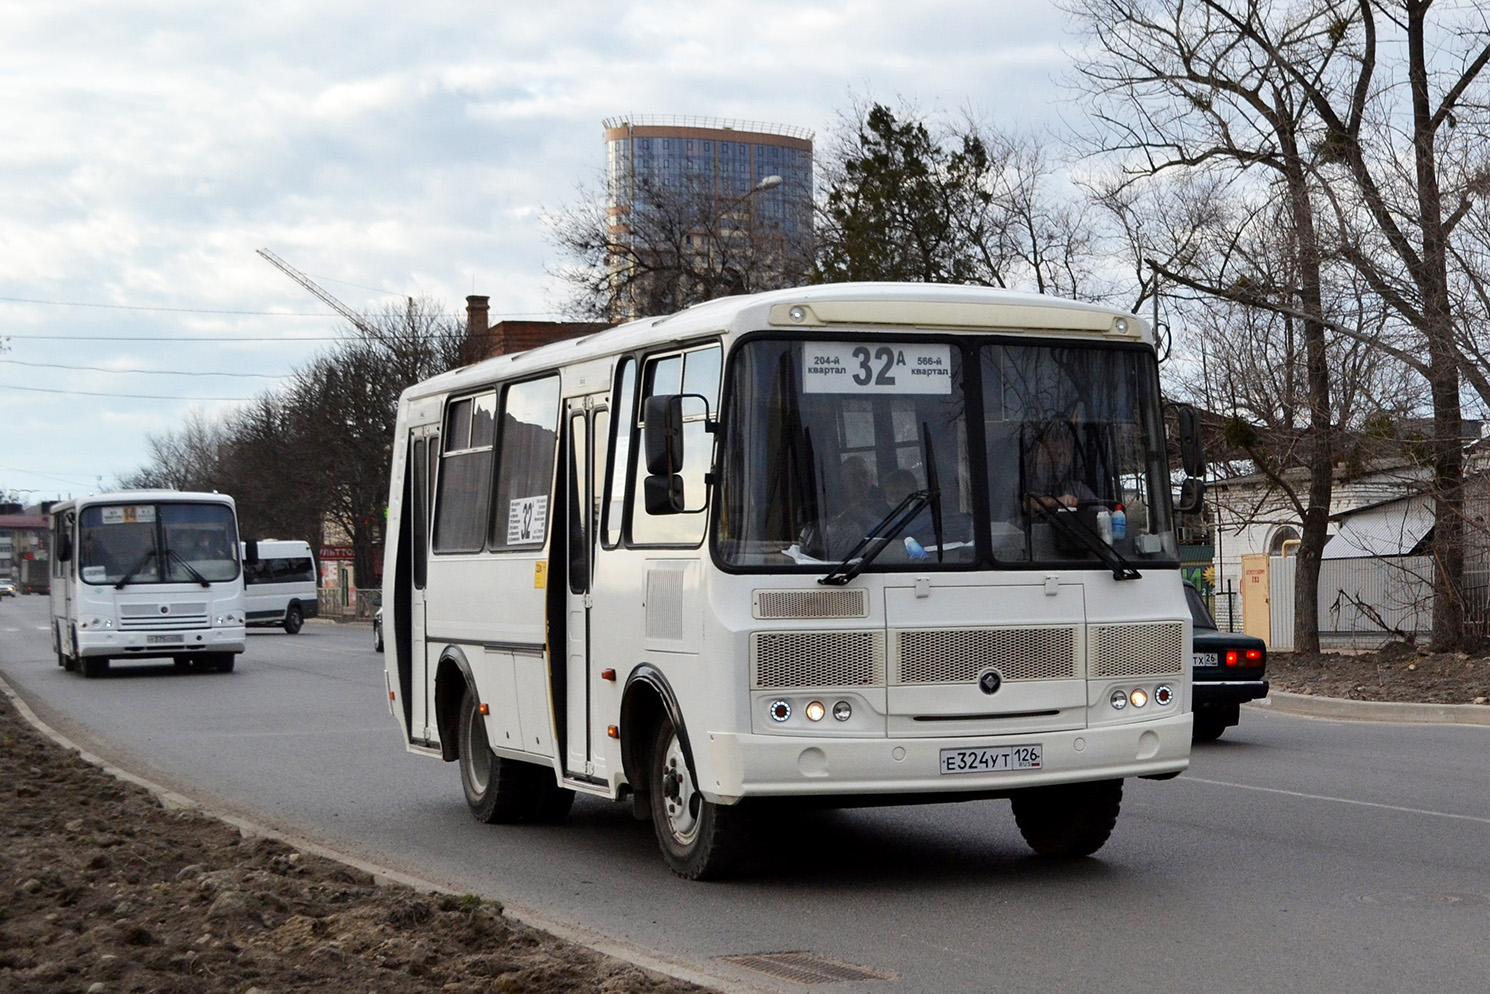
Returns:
point(991, 759)
point(161, 640)
point(1198, 659)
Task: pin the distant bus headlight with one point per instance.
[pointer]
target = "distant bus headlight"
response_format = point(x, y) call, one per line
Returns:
point(781, 710)
point(1139, 697)
point(815, 711)
point(843, 711)
point(1164, 695)
point(1119, 700)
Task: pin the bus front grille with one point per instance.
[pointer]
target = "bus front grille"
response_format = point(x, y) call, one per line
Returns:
point(1136, 650)
point(154, 616)
point(817, 659)
point(961, 655)
point(850, 603)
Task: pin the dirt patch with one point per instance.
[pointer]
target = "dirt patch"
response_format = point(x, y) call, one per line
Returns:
point(1397, 672)
point(104, 891)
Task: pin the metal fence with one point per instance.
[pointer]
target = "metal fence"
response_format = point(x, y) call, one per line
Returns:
point(1365, 603)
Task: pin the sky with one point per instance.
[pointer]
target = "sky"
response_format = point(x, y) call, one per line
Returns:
point(148, 148)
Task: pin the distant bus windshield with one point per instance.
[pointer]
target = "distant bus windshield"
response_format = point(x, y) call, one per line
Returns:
point(157, 543)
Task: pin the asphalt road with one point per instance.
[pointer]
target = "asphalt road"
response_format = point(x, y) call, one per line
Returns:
point(1296, 855)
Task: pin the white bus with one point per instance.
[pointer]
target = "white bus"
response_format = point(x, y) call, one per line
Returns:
point(146, 574)
point(279, 584)
point(796, 546)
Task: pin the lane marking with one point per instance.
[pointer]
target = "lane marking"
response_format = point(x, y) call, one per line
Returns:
point(1341, 800)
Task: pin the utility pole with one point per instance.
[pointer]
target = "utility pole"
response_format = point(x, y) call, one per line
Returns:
point(357, 320)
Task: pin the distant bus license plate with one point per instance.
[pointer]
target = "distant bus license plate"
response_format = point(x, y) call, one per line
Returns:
point(991, 760)
point(161, 639)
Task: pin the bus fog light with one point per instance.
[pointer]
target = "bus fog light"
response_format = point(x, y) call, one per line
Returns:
point(780, 710)
point(1119, 700)
point(1139, 697)
point(843, 711)
point(1164, 695)
point(815, 711)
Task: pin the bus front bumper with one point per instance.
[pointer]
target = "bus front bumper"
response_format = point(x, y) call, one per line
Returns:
point(229, 638)
point(734, 766)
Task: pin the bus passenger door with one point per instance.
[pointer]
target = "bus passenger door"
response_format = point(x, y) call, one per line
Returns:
point(424, 453)
point(587, 420)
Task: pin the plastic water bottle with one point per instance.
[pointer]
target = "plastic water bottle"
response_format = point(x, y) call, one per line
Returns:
point(1104, 524)
point(914, 549)
point(1119, 522)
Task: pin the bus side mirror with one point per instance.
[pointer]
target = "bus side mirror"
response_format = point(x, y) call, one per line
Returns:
point(663, 434)
point(64, 549)
point(664, 494)
point(251, 552)
point(1192, 496)
point(1192, 450)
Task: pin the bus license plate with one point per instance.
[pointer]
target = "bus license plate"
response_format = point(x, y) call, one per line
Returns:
point(161, 639)
point(999, 759)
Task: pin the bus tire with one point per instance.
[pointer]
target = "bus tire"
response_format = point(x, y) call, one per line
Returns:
point(224, 661)
point(95, 666)
point(700, 840)
point(1067, 821)
point(294, 619)
point(503, 791)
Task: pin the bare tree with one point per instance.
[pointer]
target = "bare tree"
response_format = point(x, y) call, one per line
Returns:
point(668, 242)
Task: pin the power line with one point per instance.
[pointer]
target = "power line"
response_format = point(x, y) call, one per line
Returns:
point(162, 338)
point(129, 396)
point(134, 372)
point(177, 310)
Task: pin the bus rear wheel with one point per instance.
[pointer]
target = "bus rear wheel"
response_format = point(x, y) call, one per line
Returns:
point(700, 840)
point(294, 619)
point(1068, 820)
point(503, 791)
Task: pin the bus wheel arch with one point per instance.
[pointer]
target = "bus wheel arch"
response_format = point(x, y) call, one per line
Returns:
point(452, 677)
point(646, 702)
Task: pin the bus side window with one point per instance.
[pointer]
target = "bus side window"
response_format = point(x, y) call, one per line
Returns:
point(620, 454)
point(465, 475)
point(525, 465)
point(692, 372)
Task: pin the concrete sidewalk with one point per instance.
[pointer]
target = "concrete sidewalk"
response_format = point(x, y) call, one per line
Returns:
point(1340, 709)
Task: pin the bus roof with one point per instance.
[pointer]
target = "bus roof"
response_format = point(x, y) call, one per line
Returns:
point(829, 307)
point(143, 497)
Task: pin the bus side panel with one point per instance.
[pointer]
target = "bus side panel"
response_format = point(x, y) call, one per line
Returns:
point(495, 672)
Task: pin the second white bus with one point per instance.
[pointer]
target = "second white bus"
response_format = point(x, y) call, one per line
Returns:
point(146, 575)
point(796, 546)
point(279, 584)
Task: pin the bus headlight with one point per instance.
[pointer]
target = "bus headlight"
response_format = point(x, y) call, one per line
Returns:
point(780, 710)
point(842, 711)
point(815, 711)
point(1118, 700)
point(1163, 695)
point(1138, 697)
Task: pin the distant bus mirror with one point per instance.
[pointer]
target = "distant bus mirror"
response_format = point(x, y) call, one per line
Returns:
point(663, 435)
point(1192, 496)
point(1192, 450)
point(64, 549)
point(251, 552)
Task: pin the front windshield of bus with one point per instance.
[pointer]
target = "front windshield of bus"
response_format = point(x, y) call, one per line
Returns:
point(1009, 452)
point(157, 543)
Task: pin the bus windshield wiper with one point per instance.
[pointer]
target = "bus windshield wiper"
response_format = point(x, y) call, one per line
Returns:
point(149, 555)
point(873, 543)
point(173, 554)
point(1072, 526)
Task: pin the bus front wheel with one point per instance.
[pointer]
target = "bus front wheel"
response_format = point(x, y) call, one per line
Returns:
point(700, 840)
point(1068, 820)
point(504, 791)
point(95, 666)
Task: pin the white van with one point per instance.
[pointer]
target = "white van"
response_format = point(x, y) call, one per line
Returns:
point(279, 583)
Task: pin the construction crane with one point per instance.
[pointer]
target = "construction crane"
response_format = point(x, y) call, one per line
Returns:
point(358, 321)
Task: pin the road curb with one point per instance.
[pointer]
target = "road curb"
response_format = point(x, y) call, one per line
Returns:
point(173, 800)
point(1308, 705)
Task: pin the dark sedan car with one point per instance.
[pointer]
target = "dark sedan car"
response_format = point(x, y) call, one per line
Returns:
point(1227, 667)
